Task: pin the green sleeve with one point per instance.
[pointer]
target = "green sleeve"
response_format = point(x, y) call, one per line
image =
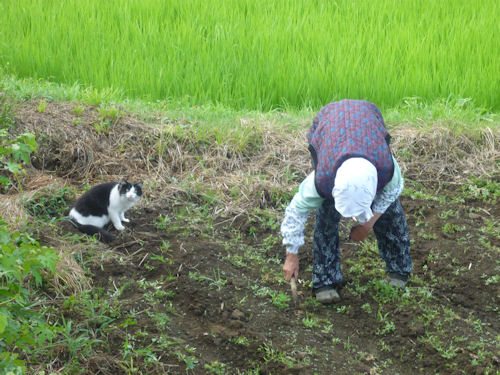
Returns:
point(307, 198)
point(396, 180)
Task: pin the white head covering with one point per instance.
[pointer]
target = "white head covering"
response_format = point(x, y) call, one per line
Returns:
point(355, 188)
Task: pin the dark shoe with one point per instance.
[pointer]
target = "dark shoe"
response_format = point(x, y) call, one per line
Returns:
point(397, 280)
point(327, 294)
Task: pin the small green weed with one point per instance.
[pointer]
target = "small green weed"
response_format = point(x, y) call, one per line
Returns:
point(383, 292)
point(336, 340)
point(236, 260)
point(450, 228)
point(7, 106)
point(110, 113)
point(77, 340)
point(165, 247)
point(215, 367)
point(426, 234)
point(348, 346)
point(132, 353)
point(273, 355)
point(446, 351)
point(387, 325)
point(102, 127)
point(78, 110)
point(415, 193)
point(162, 222)
point(279, 299)
point(162, 259)
point(490, 279)
point(214, 282)
point(447, 214)
point(310, 321)
point(240, 340)
point(161, 320)
point(366, 308)
point(344, 309)
point(189, 360)
point(49, 204)
point(42, 106)
point(491, 227)
point(482, 189)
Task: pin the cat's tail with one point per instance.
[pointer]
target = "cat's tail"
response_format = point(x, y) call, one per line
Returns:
point(102, 234)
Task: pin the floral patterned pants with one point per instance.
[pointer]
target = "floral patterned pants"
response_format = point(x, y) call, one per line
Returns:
point(393, 240)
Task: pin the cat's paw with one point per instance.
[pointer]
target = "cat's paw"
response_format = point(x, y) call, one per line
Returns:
point(125, 220)
point(120, 227)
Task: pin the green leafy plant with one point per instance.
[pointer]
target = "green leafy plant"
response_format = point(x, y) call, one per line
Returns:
point(14, 154)
point(14, 150)
point(383, 292)
point(23, 263)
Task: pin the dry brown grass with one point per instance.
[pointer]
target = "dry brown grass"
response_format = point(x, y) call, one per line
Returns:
point(174, 162)
point(442, 156)
point(69, 277)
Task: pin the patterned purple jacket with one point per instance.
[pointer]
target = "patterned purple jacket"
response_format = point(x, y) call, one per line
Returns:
point(346, 129)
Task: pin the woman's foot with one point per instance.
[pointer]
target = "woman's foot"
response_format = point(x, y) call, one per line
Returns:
point(327, 294)
point(397, 280)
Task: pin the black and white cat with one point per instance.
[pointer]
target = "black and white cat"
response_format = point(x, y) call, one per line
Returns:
point(104, 203)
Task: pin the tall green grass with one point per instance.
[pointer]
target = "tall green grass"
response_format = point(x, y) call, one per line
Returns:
point(260, 54)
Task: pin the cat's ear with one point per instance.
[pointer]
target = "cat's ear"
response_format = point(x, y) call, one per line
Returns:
point(139, 184)
point(122, 184)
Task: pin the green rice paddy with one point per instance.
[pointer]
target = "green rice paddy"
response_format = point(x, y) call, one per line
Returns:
point(260, 54)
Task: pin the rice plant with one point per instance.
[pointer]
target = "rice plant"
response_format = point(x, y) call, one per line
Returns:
point(257, 54)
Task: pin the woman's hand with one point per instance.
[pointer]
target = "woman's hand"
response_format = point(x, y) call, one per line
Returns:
point(291, 266)
point(359, 233)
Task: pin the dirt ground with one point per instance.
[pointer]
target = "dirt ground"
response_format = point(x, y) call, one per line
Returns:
point(208, 319)
point(194, 285)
